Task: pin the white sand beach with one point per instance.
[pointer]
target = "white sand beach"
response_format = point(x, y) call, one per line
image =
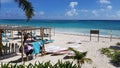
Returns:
point(79, 42)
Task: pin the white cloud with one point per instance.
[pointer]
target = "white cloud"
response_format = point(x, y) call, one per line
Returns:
point(6, 1)
point(95, 12)
point(72, 12)
point(73, 4)
point(35, 13)
point(84, 10)
point(105, 1)
point(109, 7)
point(40, 13)
point(102, 9)
point(110, 15)
point(118, 13)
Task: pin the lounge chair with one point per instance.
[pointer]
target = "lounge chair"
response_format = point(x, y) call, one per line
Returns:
point(4, 39)
point(56, 50)
point(48, 41)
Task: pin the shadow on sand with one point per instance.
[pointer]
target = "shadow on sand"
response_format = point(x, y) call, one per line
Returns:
point(15, 38)
point(115, 47)
point(20, 60)
point(114, 64)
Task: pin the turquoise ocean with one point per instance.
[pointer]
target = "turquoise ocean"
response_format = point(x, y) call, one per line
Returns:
point(72, 26)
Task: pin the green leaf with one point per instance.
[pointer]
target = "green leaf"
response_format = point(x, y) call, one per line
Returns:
point(27, 8)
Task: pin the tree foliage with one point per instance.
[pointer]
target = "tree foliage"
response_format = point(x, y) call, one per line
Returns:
point(26, 7)
point(80, 57)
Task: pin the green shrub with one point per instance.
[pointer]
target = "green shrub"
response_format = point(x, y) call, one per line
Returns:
point(66, 64)
point(107, 51)
point(1, 47)
point(59, 64)
point(112, 53)
point(118, 43)
point(116, 57)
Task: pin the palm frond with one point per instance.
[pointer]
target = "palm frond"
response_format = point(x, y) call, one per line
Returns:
point(78, 54)
point(27, 8)
point(88, 60)
point(71, 49)
point(80, 57)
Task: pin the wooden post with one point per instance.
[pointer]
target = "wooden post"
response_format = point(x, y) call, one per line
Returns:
point(98, 36)
point(31, 35)
point(111, 36)
point(5, 34)
point(15, 47)
point(9, 47)
point(6, 48)
point(42, 36)
point(54, 31)
point(22, 45)
point(12, 33)
point(12, 47)
point(42, 33)
point(0, 42)
point(50, 33)
point(94, 32)
point(90, 36)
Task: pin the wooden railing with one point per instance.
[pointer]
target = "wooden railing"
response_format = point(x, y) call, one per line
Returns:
point(9, 50)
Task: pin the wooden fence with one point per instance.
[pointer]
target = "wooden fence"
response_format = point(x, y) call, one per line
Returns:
point(9, 50)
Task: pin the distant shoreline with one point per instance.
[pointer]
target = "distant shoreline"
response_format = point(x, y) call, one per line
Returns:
point(93, 35)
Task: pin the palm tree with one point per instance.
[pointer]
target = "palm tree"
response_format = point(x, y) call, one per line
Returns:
point(27, 8)
point(80, 57)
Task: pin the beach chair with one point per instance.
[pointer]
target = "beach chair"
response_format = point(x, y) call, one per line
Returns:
point(46, 41)
point(19, 34)
point(56, 50)
point(5, 39)
point(37, 38)
point(8, 34)
point(46, 35)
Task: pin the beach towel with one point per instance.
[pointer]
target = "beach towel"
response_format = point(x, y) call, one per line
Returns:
point(41, 43)
point(36, 47)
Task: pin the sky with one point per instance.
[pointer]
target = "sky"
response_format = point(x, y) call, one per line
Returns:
point(64, 9)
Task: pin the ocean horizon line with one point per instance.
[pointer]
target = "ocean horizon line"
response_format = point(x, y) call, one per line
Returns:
point(67, 19)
